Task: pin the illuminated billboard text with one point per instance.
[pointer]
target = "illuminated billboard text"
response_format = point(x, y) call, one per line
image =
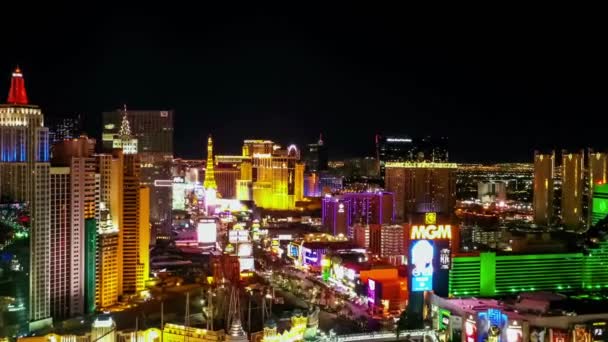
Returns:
point(431, 232)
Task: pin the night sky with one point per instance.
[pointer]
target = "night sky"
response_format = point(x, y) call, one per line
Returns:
point(499, 87)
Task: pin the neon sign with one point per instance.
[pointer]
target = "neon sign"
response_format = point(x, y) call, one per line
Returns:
point(431, 232)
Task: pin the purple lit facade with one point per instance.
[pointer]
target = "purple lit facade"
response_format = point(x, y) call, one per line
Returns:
point(336, 215)
point(319, 184)
point(341, 212)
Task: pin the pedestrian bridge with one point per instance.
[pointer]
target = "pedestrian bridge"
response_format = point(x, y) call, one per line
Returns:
point(420, 335)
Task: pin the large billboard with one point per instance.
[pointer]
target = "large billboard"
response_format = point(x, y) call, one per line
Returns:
point(246, 264)
point(206, 232)
point(238, 235)
point(421, 260)
point(244, 249)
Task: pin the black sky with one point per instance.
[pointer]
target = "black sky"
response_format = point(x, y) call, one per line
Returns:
point(499, 84)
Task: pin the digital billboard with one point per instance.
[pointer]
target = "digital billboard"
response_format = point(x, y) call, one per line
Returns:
point(238, 235)
point(246, 264)
point(371, 291)
point(206, 232)
point(421, 257)
point(244, 250)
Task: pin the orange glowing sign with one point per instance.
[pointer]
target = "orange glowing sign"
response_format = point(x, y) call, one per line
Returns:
point(431, 232)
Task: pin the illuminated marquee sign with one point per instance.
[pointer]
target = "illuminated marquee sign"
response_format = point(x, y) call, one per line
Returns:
point(431, 232)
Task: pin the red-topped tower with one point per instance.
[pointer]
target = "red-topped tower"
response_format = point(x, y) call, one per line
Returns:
point(25, 177)
point(17, 94)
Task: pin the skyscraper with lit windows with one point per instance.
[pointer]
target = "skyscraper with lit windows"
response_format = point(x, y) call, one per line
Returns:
point(572, 189)
point(153, 130)
point(74, 210)
point(544, 165)
point(422, 187)
point(24, 176)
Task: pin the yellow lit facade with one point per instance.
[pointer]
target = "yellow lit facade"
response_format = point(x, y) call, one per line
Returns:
point(107, 269)
point(130, 228)
point(272, 177)
point(144, 238)
point(180, 333)
point(543, 188)
point(295, 333)
point(109, 258)
point(572, 189)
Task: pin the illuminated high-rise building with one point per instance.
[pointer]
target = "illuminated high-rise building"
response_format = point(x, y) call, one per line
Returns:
point(544, 165)
point(421, 187)
point(143, 269)
point(109, 259)
point(402, 148)
point(24, 176)
point(209, 182)
point(74, 206)
point(315, 156)
point(108, 262)
point(271, 176)
point(371, 207)
point(130, 229)
point(598, 167)
point(335, 212)
point(394, 148)
point(572, 189)
point(61, 240)
point(64, 128)
point(599, 202)
point(125, 229)
point(153, 130)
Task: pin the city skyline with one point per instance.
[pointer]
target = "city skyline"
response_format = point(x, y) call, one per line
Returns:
point(301, 174)
point(310, 73)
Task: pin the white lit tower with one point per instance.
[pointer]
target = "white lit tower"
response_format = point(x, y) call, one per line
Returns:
point(24, 176)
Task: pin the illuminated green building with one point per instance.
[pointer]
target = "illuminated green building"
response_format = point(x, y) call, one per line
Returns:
point(599, 203)
point(490, 274)
point(90, 256)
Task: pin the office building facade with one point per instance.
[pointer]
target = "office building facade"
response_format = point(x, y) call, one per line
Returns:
point(422, 187)
point(73, 164)
point(64, 128)
point(402, 148)
point(572, 190)
point(371, 207)
point(544, 166)
point(24, 176)
point(316, 157)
